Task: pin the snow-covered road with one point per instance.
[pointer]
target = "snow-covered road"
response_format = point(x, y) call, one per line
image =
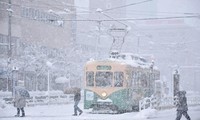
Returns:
point(64, 112)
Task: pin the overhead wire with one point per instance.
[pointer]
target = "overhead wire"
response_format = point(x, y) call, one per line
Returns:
point(170, 13)
point(41, 6)
point(135, 19)
point(94, 12)
point(127, 5)
point(107, 10)
point(126, 19)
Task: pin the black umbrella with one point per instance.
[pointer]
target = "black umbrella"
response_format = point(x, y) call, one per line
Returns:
point(22, 92)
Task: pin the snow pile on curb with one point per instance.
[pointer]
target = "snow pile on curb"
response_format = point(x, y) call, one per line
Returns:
point(145, 114)
point(2, 104)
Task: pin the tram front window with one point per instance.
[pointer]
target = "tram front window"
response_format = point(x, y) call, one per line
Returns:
point(104, 79)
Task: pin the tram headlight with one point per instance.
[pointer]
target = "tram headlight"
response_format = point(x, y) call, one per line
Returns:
point(104, 94)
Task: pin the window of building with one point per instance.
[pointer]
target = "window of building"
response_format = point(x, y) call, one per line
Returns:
point(3, 44)
point(36, 14)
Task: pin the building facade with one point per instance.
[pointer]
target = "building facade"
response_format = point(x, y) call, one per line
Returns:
point(32, 22)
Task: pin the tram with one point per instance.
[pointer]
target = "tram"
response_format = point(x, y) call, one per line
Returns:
point(116, 85)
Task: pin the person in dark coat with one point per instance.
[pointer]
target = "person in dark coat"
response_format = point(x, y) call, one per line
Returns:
point(19, 103)
point(77, 98)
point(182, 107)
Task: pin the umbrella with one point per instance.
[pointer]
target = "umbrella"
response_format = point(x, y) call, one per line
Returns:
point(22, 92)
point(62, 80)
point(72, 90)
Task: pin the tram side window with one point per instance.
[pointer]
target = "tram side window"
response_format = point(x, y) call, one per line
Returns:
point(143, 83)
point(138, 78)
point(133, 78)
point(103, 79)
point(118, 77)
point(142, 80)
point(90, 78)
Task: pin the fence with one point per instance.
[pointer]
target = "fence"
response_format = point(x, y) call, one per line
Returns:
point(41, 98)
point(52, 99)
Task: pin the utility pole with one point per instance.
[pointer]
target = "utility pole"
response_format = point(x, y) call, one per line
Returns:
point(9, 31)
point(98, 39)
point(10, 46)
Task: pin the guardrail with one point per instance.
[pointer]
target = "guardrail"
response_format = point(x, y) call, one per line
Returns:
point(148, 102)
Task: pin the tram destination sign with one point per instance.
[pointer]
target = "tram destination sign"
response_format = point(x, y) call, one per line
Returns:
point(104, 67)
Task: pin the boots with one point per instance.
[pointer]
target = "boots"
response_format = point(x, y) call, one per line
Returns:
point(23, 113)
point(17, 115)
point(18, 112)
point(80, 112)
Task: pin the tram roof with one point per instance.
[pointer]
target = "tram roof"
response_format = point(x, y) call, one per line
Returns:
point(132, 63)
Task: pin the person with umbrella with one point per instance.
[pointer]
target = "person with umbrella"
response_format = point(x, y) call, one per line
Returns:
point(20, 100)
point(77, 98)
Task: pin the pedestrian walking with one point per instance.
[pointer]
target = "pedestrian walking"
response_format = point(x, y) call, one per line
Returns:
point(20, 100)
point(182, 107)
point(77, 98)
point(19, 103)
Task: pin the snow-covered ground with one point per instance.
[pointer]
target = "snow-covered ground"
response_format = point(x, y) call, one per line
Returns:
point(65, 111)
